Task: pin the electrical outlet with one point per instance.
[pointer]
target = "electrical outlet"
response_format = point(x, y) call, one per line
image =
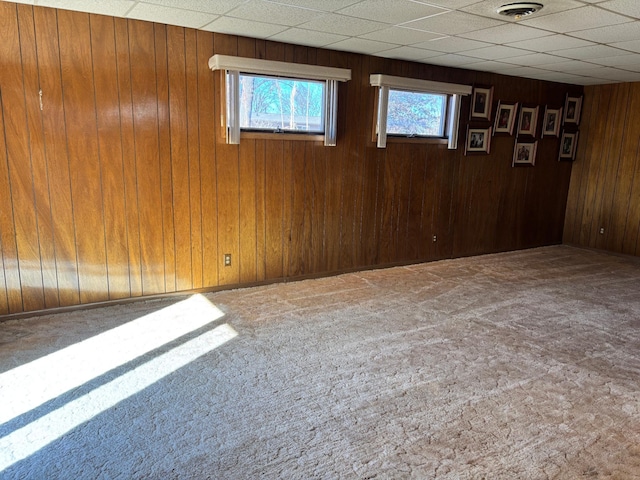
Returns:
point(601, 230)
point(435, 238)
point(227, 259)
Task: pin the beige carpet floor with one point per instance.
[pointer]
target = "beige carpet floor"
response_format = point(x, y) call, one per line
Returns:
point(520, 365)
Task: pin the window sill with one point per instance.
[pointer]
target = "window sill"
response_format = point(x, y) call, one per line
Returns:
point(281, 136)
point(431, 141)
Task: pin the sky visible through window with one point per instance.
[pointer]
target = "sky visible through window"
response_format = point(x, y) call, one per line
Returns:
point(281, 104)
point(416, 113)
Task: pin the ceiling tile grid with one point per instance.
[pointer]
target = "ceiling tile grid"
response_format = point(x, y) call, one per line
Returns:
point(576, 41)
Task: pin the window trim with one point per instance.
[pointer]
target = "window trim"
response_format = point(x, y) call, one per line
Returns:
point(231, 67)
point(453, 91)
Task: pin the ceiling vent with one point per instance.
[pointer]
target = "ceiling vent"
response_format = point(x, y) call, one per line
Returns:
point(519, 10)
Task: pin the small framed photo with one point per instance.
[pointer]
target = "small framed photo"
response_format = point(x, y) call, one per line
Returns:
point(481, 102)
point(568, 146)
point(505, 118)
point(572, 108)
point(551, 122)
point(478, 140)
point(524, 153)
point(528, 121)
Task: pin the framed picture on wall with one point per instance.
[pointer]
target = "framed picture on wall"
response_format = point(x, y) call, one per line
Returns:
point(481, 103)
point(524, 153)
point(568, 146)
point(478, 140)
point(505, 118)
point(551, 122)
point(528, 121)
point(572, 109)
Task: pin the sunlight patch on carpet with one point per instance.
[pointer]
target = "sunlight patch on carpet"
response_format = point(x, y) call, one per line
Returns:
point(27, 440)
point(30, 385)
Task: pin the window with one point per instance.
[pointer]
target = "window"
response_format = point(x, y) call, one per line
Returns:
point(279, 97)
point(274, 104)
point(414, 108)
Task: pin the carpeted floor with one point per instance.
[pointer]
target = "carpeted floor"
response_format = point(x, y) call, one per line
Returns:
point(521, 365)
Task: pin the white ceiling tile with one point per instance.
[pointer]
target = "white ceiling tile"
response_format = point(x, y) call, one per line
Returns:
point(622, 61)
point(497, 52)
point(612, 33)
point(588, 53)
point(451, 4)
point(633, 45)
point(325, 5)
point(488, 66)
point(563, 78)
point(391, 11)
point(452, 44)
point(632, 68)
point(307, 37)
point(519, 71)
point(596, 81)
point(626, 7)
point(232, 26)
point(361, 45)
point(488, 8)
point(506, 33)
point(452, 60)
point(568, 66)
point(408, 53)
point(535, 59)
point(401, 36)
point(577, 19)
point(218, 7)
point(552, 42)
point(453, 23)
point(341, 24)
point(170, 16)
point(263, 11)
point(116, 8)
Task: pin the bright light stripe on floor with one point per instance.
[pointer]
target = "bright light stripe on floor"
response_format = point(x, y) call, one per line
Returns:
point(29, 439)
point(32, 384)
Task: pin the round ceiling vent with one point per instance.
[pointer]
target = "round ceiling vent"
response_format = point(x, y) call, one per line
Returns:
point(519, 9)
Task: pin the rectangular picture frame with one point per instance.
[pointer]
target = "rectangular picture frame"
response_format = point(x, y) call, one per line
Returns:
point(528, 121)
point(505, 118)
point(551, 122)
point(478, 141)
point(524, 153)
point(572, 110)
point(481, 100)
point(568, 146)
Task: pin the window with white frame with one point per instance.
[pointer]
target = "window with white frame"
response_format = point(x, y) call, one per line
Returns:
point(413, 108)
point(273, 97)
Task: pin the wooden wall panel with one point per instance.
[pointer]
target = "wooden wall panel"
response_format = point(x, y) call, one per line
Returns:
point(103, 53)
point(123, 185)
point(604, 191)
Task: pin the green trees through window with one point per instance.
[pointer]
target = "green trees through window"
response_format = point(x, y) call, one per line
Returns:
point(416, 114)
point(281, 104)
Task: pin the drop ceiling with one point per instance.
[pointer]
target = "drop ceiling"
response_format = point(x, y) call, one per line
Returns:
point(582, 42)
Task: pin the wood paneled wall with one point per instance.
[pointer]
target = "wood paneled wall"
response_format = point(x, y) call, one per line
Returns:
point(117, 184)
point(605, 183)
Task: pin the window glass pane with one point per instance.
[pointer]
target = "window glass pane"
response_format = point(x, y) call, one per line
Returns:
point(281, 104)
point(416, 113)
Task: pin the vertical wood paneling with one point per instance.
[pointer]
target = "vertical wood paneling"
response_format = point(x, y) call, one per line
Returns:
point(148, 196)
point(18, 153)
point(180, 156)
point(166, 171)
point(195, 194)
point(207, 125)
point(55, 145)
point(147, 152)
point(11, 271)
point(84, 159)
point(38, 161)
point(605, 180)
point(227, 178)
point(110, 149)
point(128, 155)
